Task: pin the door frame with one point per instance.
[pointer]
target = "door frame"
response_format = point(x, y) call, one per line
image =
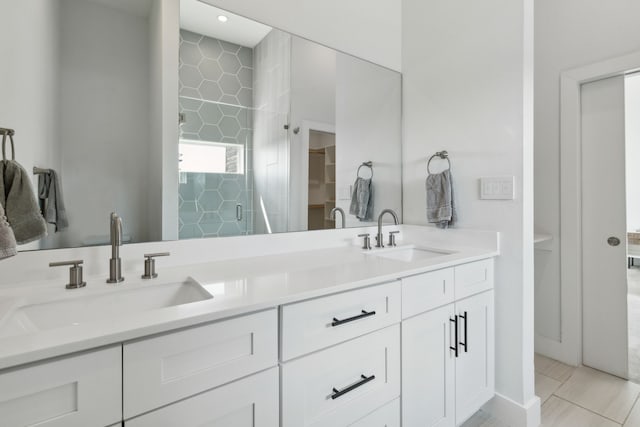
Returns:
point(306, 127)
point(569, 349)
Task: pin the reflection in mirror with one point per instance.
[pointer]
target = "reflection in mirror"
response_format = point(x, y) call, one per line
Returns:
point(305, 116)
point(272, 128)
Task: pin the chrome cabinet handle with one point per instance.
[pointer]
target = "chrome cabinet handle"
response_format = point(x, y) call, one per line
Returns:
point(337, 322)
point(364, 379)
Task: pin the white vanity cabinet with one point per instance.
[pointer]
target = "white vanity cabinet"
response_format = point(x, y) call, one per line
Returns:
point(82, 390)
point(248, 402)
point(448, 352)
point(164, 369)
point(356, 371)
point(414, 352)
point(386, 416)
point(474, 366)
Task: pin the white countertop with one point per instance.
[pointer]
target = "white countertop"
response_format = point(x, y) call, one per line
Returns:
point(239, 286)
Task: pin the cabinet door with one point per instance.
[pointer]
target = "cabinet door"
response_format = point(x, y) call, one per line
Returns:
point(475, 364)
point(83, 390)
point(428, 369)
point(249, 402)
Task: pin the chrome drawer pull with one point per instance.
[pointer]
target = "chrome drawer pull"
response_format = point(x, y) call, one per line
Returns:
point(337, 393)
point(337, 322)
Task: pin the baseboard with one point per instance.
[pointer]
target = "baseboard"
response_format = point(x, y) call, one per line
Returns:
point(514, 414)
point(556, 350)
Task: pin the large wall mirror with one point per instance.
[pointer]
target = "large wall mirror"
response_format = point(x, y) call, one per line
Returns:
point(193, 122)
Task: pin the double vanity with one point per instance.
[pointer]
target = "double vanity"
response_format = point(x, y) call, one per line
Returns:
point(330, 336)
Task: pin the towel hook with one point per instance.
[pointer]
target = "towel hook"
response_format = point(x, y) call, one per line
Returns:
point(368, 164)
point(443, 155)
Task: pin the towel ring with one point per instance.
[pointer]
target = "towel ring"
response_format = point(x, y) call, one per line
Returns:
point(367, 164)
point(443, 155)
point(4, 142)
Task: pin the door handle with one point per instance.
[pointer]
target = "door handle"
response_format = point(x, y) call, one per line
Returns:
point(613, 241)
point(239, 212)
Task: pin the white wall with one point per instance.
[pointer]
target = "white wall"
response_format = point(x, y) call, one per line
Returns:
point(632, 158)
point(29, 83)
point(313, 98)
point(467, 88)
point(272, 101)
point(368, 128)
point(162, 192)
point(104, 119)
point(368, 30)
point(569, 34)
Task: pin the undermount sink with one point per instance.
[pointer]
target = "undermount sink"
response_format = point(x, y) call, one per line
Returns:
point(409, 253)
point(111, 305)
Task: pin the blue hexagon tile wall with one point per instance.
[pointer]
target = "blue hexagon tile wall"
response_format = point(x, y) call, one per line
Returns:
point(216, 97)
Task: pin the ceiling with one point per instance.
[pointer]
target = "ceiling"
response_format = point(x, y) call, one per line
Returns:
point(202, 18)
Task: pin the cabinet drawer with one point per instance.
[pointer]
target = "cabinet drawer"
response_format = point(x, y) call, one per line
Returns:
point(322, 322)
point(387, 416)
point(340, 385)
point(426, 291)
point(473, 278)
point(77, 391)
point(170, 367)
point(249, 402)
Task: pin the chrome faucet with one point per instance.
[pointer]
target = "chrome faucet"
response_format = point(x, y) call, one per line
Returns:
point(332, 215)
point(379, 236)
point(115, 263)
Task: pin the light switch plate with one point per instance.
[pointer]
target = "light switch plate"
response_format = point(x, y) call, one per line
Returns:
point(497, 188)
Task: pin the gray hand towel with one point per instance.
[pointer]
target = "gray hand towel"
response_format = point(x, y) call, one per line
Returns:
point(20, 204)
point(51, 201)
point(440, 204)
point(362, 199)
point(7, 238)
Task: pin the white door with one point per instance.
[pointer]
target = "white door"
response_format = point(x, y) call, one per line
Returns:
point(428, 369)
point(475, 370)
point(604, 273)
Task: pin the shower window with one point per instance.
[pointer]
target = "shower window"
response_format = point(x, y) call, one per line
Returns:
point(211, 157)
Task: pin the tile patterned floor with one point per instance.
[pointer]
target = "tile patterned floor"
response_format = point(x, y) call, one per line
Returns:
point(578, 397)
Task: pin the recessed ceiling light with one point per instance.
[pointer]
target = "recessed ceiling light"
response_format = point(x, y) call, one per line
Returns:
point(222, 18)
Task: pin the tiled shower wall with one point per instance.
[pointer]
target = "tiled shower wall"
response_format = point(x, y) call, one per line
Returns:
point(216, 97)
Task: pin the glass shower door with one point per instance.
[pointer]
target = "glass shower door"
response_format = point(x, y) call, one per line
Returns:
point(215, 182)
